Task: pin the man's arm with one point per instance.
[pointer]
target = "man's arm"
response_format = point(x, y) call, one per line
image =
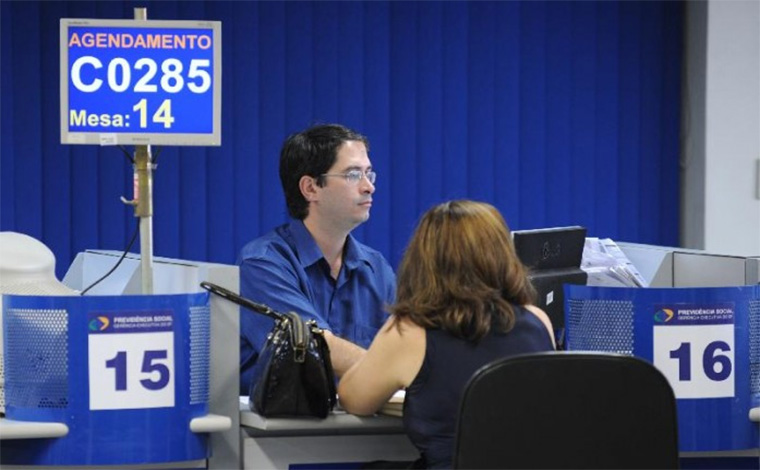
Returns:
point(343, 353)
point(265, 281)
point(275, 283)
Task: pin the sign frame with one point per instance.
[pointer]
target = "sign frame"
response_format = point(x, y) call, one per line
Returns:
point(120, 136)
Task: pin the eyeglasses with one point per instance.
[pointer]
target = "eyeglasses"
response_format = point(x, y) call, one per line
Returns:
point(354, 176)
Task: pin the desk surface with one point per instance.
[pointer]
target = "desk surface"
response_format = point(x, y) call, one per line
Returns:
point(338, 422)
point(280, 443)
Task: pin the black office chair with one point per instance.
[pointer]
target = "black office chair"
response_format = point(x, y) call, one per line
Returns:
point(567, 410)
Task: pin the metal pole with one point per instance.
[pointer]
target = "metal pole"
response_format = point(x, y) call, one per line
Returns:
point(144, 196)
point(144, 210)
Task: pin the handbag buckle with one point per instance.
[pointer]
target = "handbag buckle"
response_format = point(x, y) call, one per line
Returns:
point(299, 353)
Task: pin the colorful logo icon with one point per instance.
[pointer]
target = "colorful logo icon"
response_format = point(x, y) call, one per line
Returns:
point(663, 315)
point(99, 323)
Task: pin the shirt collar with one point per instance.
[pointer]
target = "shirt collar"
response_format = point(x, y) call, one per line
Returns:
point(309, 253)
point(355, 255)
point(305, 245)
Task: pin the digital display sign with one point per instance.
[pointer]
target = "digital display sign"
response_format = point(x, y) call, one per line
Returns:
point(140, 82)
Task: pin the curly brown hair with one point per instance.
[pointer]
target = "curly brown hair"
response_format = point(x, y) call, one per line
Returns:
point(460, 272)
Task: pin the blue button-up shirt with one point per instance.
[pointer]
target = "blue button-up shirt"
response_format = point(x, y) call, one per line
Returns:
point(286, 270)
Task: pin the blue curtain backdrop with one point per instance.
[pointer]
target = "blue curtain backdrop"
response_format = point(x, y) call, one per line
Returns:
point(558, 113)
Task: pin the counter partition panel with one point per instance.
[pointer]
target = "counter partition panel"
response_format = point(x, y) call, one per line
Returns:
point(706, 341)
point(125, 374)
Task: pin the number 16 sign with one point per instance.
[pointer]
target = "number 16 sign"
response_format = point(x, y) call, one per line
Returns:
point(131, 359)
point(694, 348)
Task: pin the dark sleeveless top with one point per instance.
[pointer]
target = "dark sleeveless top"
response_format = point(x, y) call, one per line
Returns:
point(432, 400)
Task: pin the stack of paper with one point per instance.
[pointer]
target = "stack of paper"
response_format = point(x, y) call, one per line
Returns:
point(394, 406)
point(607, 265)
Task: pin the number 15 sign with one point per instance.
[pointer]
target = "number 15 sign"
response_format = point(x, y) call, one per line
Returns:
point(131, 359)
point(694, 348)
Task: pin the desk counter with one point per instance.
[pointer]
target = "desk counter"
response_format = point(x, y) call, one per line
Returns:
point(338, 439)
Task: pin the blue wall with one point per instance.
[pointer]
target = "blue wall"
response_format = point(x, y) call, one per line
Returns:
point(557, 113)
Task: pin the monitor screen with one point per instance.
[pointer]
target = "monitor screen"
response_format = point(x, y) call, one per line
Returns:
point(553, 258)
point(550, 248)
point(140, 82)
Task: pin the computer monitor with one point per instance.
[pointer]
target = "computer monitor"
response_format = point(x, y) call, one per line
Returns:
point(553, 258)
point(140, 82)
point(550, 248)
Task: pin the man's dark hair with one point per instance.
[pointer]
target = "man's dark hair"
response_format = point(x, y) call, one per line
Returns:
point(311, 152)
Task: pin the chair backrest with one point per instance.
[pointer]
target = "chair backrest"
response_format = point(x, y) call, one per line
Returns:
point(567, 410)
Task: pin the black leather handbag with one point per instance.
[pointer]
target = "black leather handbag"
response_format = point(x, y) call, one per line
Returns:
point(293, 375)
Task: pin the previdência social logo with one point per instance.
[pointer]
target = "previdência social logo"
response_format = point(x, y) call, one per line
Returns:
point(663, 315)
point(99, 323)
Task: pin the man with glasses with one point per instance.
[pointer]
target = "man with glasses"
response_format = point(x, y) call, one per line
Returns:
point(312, 265)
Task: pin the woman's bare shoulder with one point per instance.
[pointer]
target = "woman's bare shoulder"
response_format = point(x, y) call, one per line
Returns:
point(543, 317)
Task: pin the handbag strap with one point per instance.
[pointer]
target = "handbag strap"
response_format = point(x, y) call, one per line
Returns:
point(242, 301)
point(299, 336)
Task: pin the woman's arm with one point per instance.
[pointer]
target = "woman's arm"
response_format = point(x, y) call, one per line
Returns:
point(391, 363)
